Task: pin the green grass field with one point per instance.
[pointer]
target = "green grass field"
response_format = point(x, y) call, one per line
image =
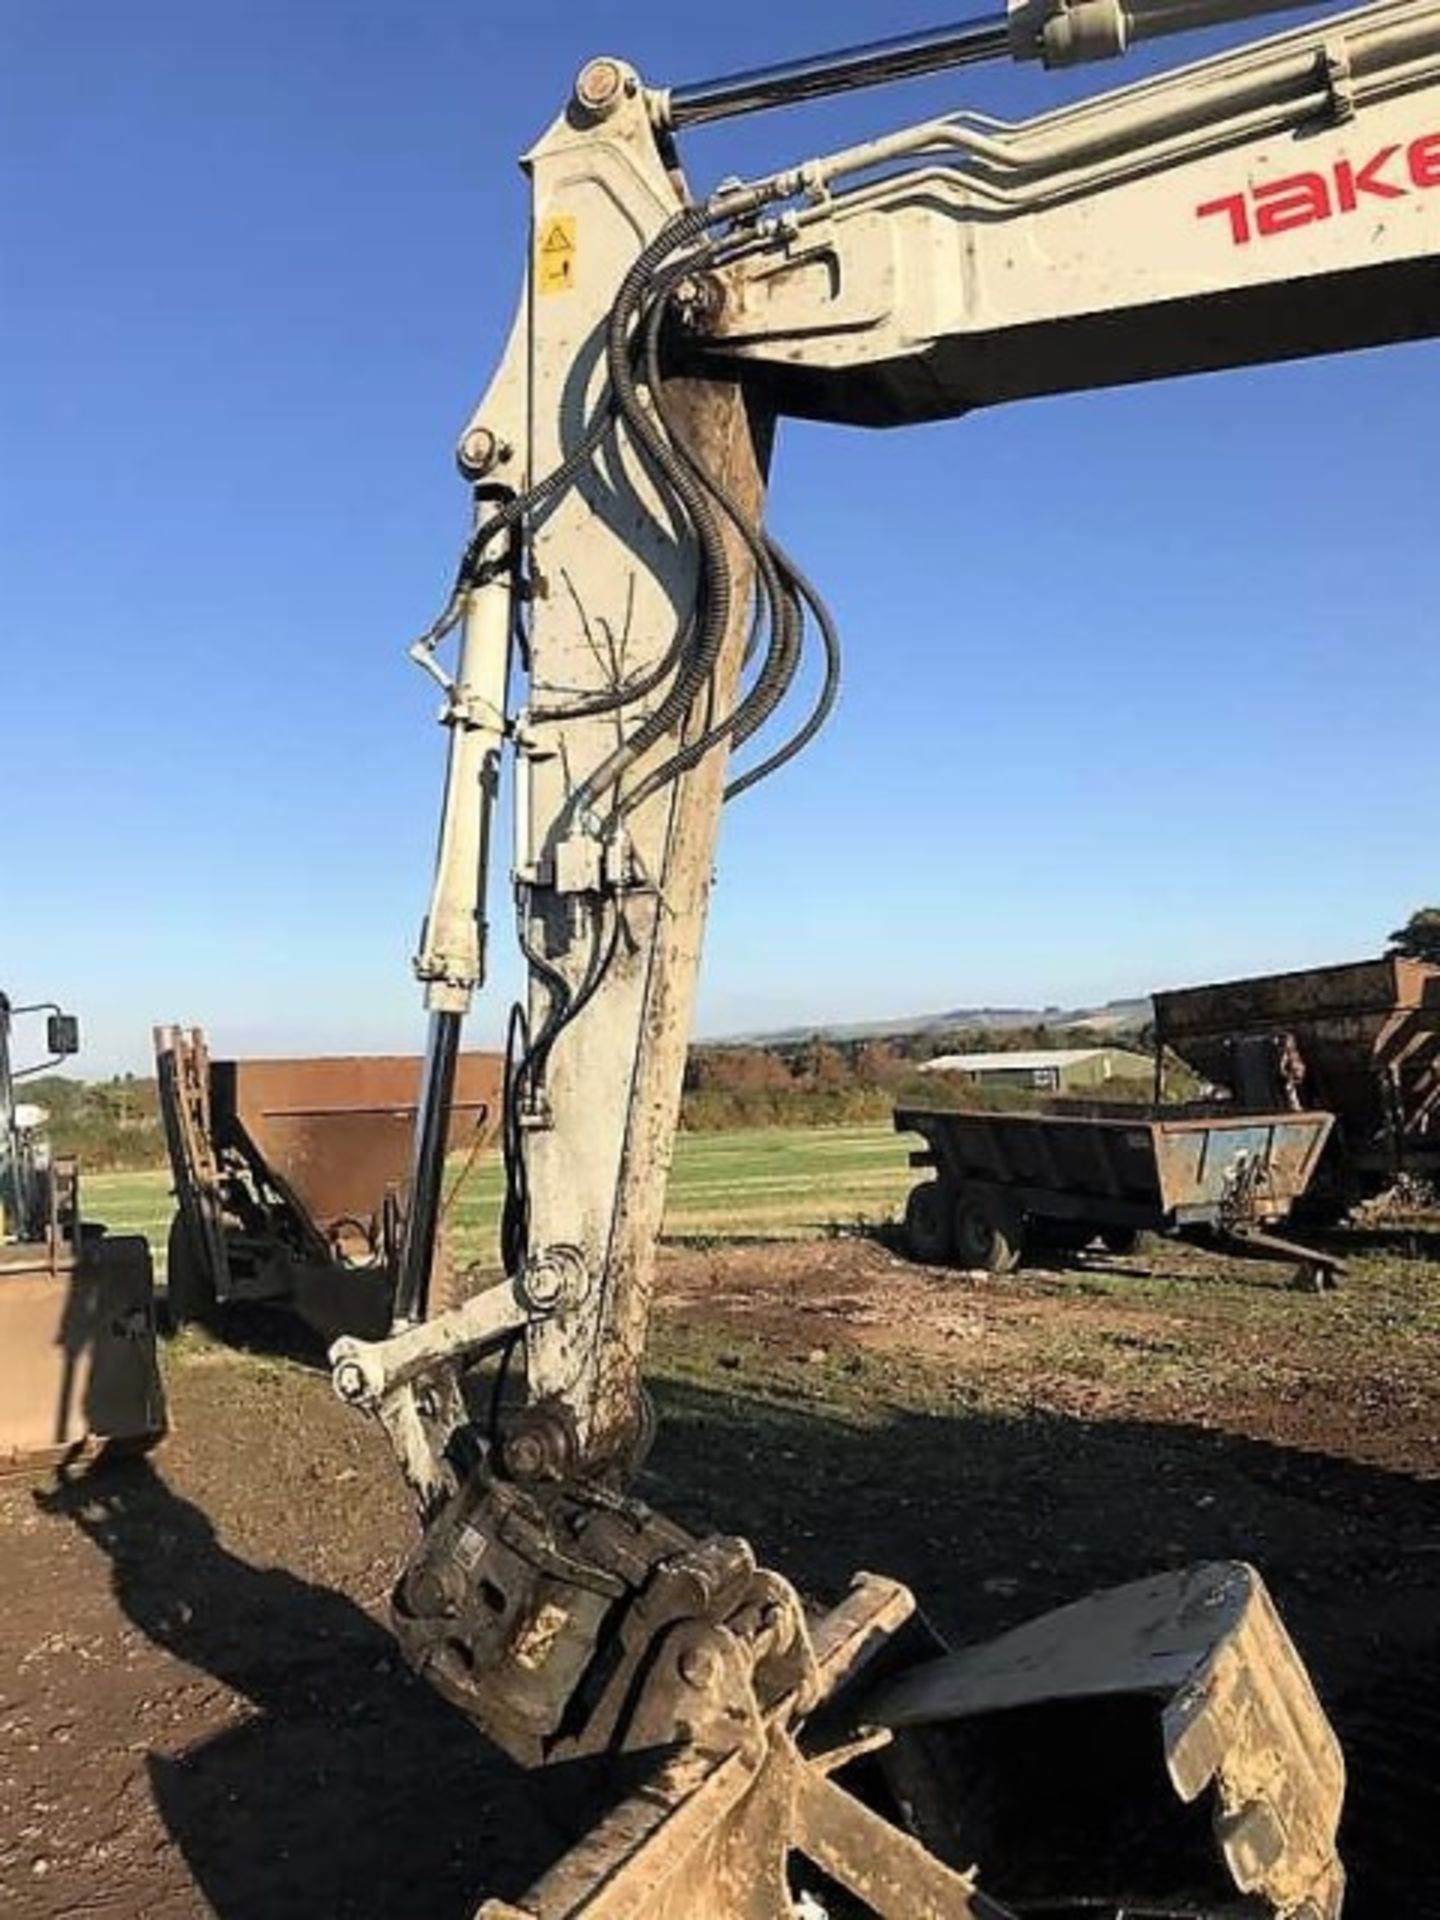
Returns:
point(770, 1183)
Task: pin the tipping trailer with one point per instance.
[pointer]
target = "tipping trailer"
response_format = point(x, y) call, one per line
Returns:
point(78, 1366)
point(290, 1177)
point(1360, 1041)
point(1007, 1181)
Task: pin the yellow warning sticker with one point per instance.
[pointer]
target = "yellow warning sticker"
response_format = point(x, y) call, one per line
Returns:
point(555, 254)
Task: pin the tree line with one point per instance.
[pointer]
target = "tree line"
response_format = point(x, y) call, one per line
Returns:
point(114, 1125)
point(110, 1126)
point(820, 1082)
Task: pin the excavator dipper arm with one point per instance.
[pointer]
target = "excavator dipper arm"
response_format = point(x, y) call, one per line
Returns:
point(1279, 200)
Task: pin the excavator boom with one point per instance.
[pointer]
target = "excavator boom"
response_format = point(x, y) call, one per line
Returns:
point(1277, 200)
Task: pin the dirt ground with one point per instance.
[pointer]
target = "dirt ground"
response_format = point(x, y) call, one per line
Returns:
point(201, 1711)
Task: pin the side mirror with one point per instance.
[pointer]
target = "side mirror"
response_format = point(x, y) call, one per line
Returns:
point(62, 1034)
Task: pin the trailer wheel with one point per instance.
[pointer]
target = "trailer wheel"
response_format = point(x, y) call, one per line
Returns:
point(987, 1237)
point(929, 1223)
point(1065, 1236)
point(189, 1283)
point(1120, 1239)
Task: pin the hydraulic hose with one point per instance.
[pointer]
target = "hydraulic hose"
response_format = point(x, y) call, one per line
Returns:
point(714, 589)
point(829, 690)
point(635, 399)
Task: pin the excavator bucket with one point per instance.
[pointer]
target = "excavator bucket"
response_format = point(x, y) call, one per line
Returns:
point(1155, 1750)
point(78, 1366)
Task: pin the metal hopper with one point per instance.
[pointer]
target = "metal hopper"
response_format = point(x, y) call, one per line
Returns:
point(289, 1176)
point(1361, 1041)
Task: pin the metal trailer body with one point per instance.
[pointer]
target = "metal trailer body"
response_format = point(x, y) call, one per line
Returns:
point(78, 1366)
point(79, 1371)
point(1006, 1180)
point(1361, 1041)
point(289, 1176)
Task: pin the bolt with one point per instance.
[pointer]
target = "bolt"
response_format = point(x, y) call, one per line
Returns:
point(554, 1278)
point(698, 1667)
point(542, 1283)
point(600, 87)
point(479, 451)
point(425, 1594)
point(350, 1381)
point(525, 1455)
point(778, 1623)
point(700, 301)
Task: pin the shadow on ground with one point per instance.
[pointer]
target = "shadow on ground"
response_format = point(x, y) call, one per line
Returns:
point(249, 1327)
point(992, 1520)
point(352, 1792)
point(1406, 1240)
point(1400, 1240)
point(349, 1789)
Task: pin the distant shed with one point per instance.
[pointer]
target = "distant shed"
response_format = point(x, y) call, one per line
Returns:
point(1046, 1070)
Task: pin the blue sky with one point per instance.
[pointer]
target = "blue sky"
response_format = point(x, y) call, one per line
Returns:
point(1141, 687)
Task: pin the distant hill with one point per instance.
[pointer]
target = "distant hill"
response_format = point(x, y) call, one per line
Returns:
point(1116, 1017)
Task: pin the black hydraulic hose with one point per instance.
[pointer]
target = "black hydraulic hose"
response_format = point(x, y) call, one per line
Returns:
point(525, 1064)
point(744, 719)
point(777, 611)
point(775, 680)
point(601, 954)
point(470, 571)
point(782, 654)
point(515, 1211)
point(609, 699)
point(497, 1390)
point(555, 984)
point(690, 658)
point(680, 229)
point(782, 592)
point(715, 580)
point(519, 1076)
point(763, 701)
point(771, 683)
point(829, 690)
point(526, 505)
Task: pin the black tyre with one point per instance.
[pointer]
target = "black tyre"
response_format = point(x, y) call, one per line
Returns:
point(929, 1220)
point(189, 1283)
point(987, 1239)
point(1066, 1236)
point(1120, 1239)
point(1322, 1211)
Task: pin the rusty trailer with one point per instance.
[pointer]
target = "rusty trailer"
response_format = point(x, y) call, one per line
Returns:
point(79, 1374)
point(1007, 1182)
point(1361, 1041)
point(290, 1177)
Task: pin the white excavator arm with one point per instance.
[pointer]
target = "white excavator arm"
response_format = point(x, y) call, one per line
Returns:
point(1279, 200)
